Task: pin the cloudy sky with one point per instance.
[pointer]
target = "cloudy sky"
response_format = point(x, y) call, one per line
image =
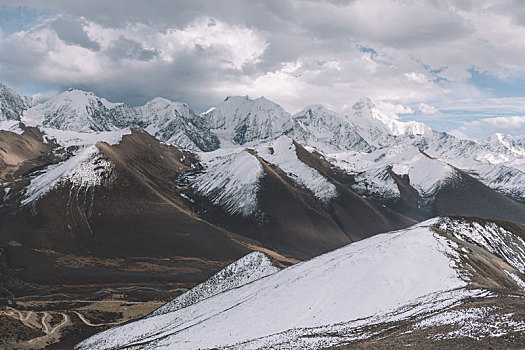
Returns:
point(456, 65)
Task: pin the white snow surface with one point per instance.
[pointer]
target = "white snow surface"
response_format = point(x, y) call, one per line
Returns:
point(249, 268)
point(282, 152)
point(230, 179)
point(68, 138)
point(366, 278)
point(86, 168)
point(376, 181)
point(425, 174)
point(70, 110)
point(11, 125)
point(239, 120)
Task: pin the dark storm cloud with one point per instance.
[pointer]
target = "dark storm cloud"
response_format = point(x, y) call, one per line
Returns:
point(72, 32)
point(130, 49)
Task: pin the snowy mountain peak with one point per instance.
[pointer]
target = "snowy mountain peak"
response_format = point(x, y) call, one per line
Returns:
point(371, 120)
point(75, 110)
point(364, 103)
point(239, 120)
point(159, 101)
point(507, 145)
point(80, 99)
point(12, 104)
point(364, 108)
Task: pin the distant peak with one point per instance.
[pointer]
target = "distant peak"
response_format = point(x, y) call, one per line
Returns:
point(363, 102)
point(4, 87)
point(317, 108)
point(158, 100)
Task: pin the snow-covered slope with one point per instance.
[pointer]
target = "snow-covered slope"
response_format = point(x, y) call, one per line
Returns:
point(318, 127)
point(239, 120)
point(282, 152)
point(12, 105)
point(330, 300)
point(85, 167)
point(230, 179)
point(250, 268)
point(504, 144)
point(490, 236)
point(423, 173)
point(73, 110)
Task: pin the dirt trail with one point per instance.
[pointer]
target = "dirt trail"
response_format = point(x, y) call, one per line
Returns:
point(45, 325)
point(88, 323)
point(64, 322)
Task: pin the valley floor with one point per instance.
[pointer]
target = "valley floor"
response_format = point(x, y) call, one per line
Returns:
point(59, 321)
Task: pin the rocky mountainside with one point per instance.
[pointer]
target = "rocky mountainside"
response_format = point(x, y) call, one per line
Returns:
point(447, 282)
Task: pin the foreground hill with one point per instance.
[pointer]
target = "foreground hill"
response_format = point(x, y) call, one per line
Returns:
point(446, 281)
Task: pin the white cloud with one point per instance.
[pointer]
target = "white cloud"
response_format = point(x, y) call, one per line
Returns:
point(231, 46)
point(427, 109)
point(513, 125)
point(419, 78)
point(393, 109)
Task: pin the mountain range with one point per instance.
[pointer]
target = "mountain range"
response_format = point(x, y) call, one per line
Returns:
point(98, 195)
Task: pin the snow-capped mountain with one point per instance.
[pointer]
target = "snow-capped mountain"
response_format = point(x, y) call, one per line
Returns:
point(504, 145)
point(12, 104)
point(73, 110)
point(413, 283)
point(171, 122)
point(240, 120)
point(374, 144)
point(84, 112)
point(318, 127)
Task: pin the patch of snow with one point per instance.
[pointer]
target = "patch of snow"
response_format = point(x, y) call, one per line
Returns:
point(250, 268)
point(68, 138)
point(516, 279)
point(282, 153)
point(11, 125)
point(490, 236)
point(377, 182)
point(475, 323)
point(230, 179)
point(87, 168)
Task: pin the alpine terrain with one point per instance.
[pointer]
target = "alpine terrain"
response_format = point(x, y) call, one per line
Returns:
point(249, 227)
